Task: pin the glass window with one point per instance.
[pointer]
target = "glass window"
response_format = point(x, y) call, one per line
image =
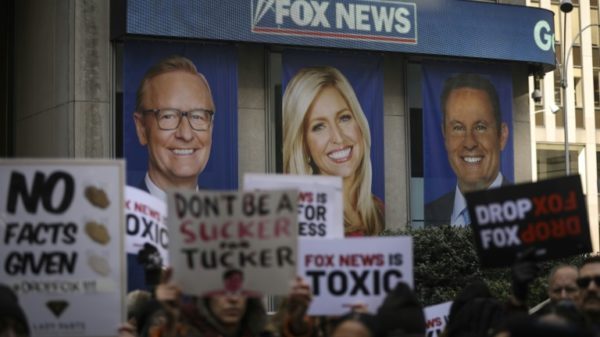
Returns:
point(551, 161)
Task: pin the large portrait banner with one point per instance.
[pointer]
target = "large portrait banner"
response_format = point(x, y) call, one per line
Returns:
point(61, 228)
point(467, 134)
point(207, 152)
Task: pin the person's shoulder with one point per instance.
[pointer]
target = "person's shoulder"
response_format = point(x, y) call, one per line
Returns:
point(438, 211)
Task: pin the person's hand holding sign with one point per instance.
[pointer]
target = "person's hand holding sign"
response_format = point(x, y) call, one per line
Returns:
point(298, 303)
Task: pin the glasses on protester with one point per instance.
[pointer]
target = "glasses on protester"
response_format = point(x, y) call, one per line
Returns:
point(170, 119)
point(584, 282)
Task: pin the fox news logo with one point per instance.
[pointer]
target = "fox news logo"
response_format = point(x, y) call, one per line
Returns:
point(368, 20)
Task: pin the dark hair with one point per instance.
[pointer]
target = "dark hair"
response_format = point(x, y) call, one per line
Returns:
point(473, 81)
point(230, 272)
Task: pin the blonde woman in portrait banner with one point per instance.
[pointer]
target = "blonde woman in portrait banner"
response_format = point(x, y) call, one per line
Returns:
point(325, 131)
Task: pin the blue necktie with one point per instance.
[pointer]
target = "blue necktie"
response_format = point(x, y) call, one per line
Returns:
point(466, 217)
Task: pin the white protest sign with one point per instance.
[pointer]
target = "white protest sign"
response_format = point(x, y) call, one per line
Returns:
point(436, 318)
point(320, 201)
point(145, 221)
point(61, 228)
point(220, 238)
point(346, 272)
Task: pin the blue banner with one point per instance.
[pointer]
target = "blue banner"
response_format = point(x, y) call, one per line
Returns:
point(219, 66)
point(434, 27)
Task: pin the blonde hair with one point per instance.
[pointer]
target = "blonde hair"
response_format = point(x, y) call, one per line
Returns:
point(298, 98)
point(167, 65)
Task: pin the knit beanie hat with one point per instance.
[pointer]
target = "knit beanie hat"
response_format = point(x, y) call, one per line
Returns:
point(401, 314)
point(9, 307)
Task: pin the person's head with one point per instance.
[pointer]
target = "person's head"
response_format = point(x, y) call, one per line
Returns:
point(562, 283)
point(474, 134)
point(588, 282)
point(355, 325)
point(13, 322)
point(178, 148)
point(401, 313)
point(228, 309)
point(325, 131)
point(233, 280)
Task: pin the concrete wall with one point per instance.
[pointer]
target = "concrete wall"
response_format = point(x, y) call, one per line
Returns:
point(62, 79)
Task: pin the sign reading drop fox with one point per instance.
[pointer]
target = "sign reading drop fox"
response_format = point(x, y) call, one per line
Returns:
point(548, 217)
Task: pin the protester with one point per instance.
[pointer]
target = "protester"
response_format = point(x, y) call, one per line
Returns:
point(562, 283)
point(401, 314)
point(589, 290)
point(13, 321)
point(229, 315)
point(355, 325)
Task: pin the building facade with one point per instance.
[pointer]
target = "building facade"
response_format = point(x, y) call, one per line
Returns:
point(577, 36)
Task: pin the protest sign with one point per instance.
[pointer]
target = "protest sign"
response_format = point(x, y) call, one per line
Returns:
point(225, 237)
point(548, 217)
point(145, 222)
point(320, 201)
point(61, 228)
point(436, 318)
point(346, 272)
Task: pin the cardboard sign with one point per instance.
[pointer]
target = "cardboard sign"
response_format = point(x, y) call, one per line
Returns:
point(61, 228)
point(145, 222)
point(220, 238)
point(436, 318)
point(346, 272)
point(320, 201)
point(549, 217)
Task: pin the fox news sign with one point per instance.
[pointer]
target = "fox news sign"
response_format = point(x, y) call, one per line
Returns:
point(384, 21)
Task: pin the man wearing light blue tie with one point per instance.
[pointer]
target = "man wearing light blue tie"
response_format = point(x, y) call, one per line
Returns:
point(474, 136)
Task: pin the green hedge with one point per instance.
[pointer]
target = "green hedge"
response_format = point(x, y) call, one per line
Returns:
point(445, 260)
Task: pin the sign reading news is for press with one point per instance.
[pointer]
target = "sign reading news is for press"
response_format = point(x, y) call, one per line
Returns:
point(549, 216)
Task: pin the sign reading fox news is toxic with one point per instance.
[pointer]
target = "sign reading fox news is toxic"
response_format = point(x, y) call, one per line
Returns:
point(320, 201)
point(233, 241)
point(549, 216)
point(360, 20)
point(145, 222)
point(62, 243)
point(343, 273)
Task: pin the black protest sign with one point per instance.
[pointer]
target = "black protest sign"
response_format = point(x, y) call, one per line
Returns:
point(549, 216)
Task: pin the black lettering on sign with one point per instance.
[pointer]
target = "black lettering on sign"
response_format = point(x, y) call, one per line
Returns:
point(42, 189)
point(49, 263)
point(343, 283)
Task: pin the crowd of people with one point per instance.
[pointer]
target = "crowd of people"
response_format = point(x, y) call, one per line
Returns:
point(572, 309)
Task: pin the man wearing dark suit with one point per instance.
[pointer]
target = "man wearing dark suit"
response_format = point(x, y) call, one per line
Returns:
point(474, 136)
point(178, 147)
